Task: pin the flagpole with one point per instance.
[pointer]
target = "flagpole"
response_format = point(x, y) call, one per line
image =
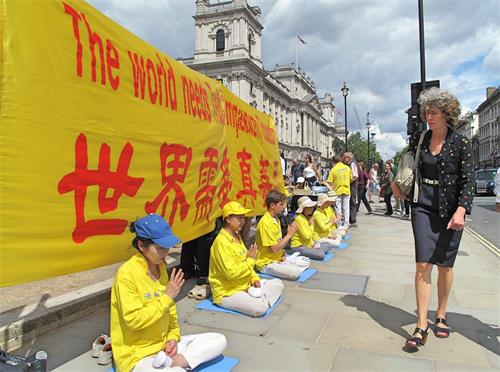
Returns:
point(296, 53)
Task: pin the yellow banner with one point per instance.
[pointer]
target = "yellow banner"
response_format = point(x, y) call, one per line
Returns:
point(99, 128)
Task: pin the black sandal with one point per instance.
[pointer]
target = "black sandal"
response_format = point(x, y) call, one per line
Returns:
point(441, 330)
point(417, 341)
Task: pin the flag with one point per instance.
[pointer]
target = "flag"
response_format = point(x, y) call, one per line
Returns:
point(300, 39)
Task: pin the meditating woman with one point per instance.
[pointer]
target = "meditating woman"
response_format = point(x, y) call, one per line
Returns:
point(303, 239)
point(234, 282)
point(144, 328)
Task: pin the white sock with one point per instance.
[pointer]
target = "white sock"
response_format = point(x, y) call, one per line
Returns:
point(161, 360)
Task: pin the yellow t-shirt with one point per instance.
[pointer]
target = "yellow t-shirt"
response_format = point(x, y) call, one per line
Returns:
point(340, 176)
point(268, 234)
point(304, 234)
point(230, 270)
point(322, 224)
point(143, 317)
point(330, 213)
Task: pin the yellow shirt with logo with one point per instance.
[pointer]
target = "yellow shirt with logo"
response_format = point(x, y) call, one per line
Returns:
point(230, 270)
point(304, 234)
point(143, 317)
point(268, 234)
point(322, 224)
point(330, 213)
point(340, 176)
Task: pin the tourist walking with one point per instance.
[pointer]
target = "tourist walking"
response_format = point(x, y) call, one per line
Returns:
point(446, 189)
point(363, 181)
point(386, 187)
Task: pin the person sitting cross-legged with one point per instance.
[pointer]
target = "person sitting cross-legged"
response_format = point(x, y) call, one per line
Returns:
point(324, 222)
point(144, 327)
point(302, 240)
point(271, 243)
point(234, 282)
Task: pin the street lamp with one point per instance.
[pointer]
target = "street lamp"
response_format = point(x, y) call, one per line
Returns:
point(345, 92)
point(368, 135)
point(373, 141)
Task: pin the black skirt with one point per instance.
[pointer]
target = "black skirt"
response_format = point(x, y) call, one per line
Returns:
point(433, 243)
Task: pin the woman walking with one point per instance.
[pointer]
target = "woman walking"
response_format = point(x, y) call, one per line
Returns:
point(446, 189)
point(363, 181)
point(386, 187)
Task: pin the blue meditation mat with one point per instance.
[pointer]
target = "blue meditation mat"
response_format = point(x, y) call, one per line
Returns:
point(220, 364)
point(346, 237)
point(328, 256)
point(343, 245)
point(306, 274)
point(208, 305)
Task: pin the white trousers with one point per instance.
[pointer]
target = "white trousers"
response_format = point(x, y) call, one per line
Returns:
point(343, 206)
point(285, 270)
point(196, 349)
point(255, 306)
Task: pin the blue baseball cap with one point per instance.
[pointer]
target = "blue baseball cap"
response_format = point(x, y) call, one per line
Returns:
point(154, 227)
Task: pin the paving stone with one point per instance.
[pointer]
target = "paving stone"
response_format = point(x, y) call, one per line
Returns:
point(361, 360)
point(238, 323)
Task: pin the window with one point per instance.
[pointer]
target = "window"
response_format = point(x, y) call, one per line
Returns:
point(220, 41)
point(249, 45)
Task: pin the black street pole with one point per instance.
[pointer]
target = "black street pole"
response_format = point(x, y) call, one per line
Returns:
point(345, 92)
point(422, 51)
point(345, 121)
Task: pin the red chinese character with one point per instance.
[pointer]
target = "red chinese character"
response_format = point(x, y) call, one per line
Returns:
point(275, 175)
point(81, 178)
point(246, 178)
point(226, 184)
point(176, 158)
point(264, 185)
point(205, 195)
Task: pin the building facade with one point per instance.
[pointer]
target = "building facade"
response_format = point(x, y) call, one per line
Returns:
point(489, 129)
point(228, 48)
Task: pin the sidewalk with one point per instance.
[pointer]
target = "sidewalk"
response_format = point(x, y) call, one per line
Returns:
point(323, 330)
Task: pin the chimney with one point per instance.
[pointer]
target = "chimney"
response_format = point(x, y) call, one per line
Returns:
point(490, 91)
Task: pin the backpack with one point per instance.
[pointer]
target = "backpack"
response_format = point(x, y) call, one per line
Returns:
point(408, 169)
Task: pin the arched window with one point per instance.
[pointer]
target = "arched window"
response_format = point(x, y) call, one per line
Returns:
point(220, 41)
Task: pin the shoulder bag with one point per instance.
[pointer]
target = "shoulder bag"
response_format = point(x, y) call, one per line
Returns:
point(408, 170)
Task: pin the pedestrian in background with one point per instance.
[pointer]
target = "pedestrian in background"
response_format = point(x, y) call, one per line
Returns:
point(339, 180)
point(348, 159)
point(297, 170)
point(386, 187)
point(363, 181)
point(446, 190)
point(311, 173)
point(374, 184)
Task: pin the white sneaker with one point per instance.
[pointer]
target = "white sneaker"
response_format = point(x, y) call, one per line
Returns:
point(105, 355)
point(99, 343)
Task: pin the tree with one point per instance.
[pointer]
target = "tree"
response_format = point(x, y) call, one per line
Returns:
point(398, 155)
point(358, 146)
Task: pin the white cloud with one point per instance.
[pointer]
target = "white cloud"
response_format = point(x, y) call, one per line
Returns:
point(373, 45)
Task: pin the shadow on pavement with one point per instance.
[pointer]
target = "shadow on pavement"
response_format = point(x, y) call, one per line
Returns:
point(374, 308)
point(487, 334)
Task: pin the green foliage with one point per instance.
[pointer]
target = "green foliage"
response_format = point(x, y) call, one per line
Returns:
point(357, 145)
point(400, 154)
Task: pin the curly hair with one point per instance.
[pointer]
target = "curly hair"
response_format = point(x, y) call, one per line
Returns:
point(441, 99)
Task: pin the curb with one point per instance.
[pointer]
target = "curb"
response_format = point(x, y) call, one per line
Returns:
point(18, 327)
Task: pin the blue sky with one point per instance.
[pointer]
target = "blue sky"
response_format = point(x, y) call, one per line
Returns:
point(371, 44)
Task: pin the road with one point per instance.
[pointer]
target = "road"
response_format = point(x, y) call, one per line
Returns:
point(485, 221)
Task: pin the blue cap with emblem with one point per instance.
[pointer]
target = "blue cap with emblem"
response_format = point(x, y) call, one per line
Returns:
point(154, 227)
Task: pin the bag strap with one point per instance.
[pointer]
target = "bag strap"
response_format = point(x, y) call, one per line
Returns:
point(416, 167)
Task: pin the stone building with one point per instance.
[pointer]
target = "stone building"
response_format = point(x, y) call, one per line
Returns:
point(489, 129)
point(228, 48)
